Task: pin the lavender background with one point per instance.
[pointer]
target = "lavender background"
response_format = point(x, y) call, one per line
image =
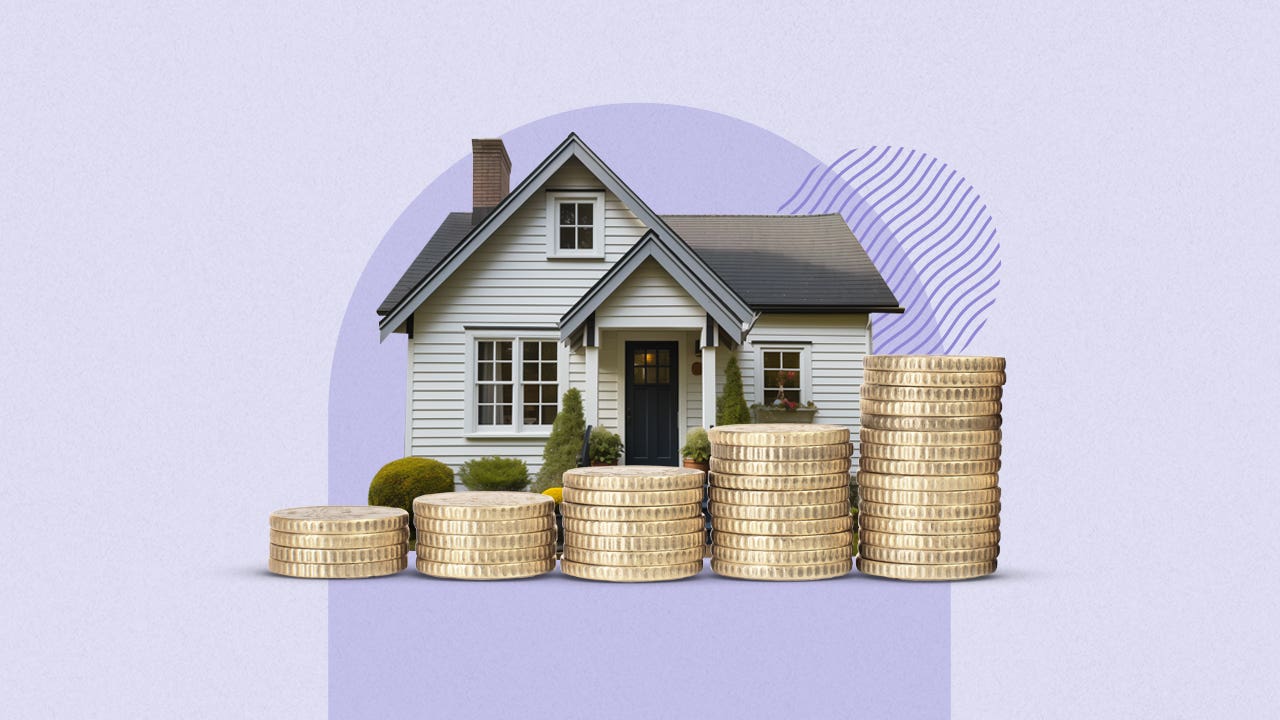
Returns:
point(634, 647)
point(187, 196)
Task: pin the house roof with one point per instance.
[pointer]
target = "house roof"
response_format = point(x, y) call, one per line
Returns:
point(736, 265)
point(781, 263)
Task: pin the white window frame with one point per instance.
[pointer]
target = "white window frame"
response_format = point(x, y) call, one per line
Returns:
point(554, 198)
point(517, 428)
point(806, 370)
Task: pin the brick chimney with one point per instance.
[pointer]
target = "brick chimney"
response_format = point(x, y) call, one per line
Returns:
point(490, 172)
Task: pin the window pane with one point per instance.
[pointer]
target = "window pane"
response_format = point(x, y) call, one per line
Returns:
point(530, 373)
point(567, 214)
point(568, 240)
point(486, 371)
point(791, 360)
point(548, 371)
point(504, 415)
point(531, 395)
point(664, 357)
point(793, 395)
point(548, 351)
point(531, 351)
point(486, 415)
point(504, 372)
point(486, 350)
point(548, 414)
point(584, 238)
point(771, 378)
point(772, 359)
point(504, 350)
point(637, 375)
point(638, 359)
point(664, 376)
point(531, 414)
point(505, 393)
point(585, 212)
point(549, 394)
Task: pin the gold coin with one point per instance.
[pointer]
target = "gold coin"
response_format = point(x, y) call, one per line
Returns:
point(485, 527)
point(785, 557)
point(486, 542)
point(779, 467)
point(960, 408)
point(340, 542)
point(925, 572)
point(935, 438)
point(931, 453)
point(632, 498)
point(636, 543)
point(928, 527)
point(505, 556)
point(901, 393)
point(314, 556)
point(339, 571)
point(934, 363)
point(780, 512)
point(339, 519)
point(729, 496)
point(486, 505)
point(933, 379)
point(631, 573)
point(928, 483)
point(782, 543)
point(505, 571)
point(772, 483)
point(778, 434)
point(789, 453)
point(928, 557)
point(930, 424)
point(631, 528)
point(744, 571)
point(609, 513)
point(915, 497)
point(929, 512)
point(929, 467)
point(620, 558)
point(823, 526)
point(633, 478)
point(929, 542)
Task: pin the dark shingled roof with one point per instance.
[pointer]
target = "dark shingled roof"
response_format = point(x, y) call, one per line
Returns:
point(776, 263)
point(787, 262)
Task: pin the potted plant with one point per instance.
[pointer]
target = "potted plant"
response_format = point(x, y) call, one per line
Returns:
point(697, 450)
point(605, 447)
point(783, 409)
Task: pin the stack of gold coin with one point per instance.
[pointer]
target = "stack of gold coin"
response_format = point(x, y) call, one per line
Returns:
point(636, 523)
point(339, 541)
point(780, 501)
point(929, 497)
point(485, 535)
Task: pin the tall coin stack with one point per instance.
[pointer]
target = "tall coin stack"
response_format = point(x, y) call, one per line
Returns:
point(780, 501)
point(339, 541)
point(485, 535)
point(635, 523)
point(929, 504)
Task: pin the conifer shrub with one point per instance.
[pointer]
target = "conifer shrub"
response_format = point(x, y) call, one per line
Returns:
point(563, 447)
point(731, 405)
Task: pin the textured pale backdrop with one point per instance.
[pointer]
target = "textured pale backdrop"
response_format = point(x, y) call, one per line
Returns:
point(187, 197)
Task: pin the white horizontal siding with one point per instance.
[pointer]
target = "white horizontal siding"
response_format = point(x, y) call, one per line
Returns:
point(649, 298)
point(508, 281)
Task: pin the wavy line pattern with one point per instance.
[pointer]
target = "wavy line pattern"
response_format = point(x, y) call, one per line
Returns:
point(928, 233)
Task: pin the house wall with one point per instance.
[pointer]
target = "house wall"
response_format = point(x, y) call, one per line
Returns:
point(507, 282)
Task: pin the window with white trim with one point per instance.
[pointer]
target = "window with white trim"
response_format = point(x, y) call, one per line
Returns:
point(516, 384)
point(575, 223)
point(783, 373)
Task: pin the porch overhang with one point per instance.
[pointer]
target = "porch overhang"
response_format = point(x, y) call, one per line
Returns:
point(728, 311)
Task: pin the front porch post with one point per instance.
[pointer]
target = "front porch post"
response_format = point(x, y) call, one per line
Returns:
point(591, 403)
point(708, 386)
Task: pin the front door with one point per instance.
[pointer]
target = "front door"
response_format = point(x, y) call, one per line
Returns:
point(652, 412)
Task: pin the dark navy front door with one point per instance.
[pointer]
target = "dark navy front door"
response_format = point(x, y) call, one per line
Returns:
point(652, 413)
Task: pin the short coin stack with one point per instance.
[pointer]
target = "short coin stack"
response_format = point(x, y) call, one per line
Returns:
point(780, 501)
point(485, 535)
point(930, 453)
point(339, 541)
point(635, 523)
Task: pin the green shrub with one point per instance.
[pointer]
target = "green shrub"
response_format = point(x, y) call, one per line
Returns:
point(400, 481)
point(561, 451)
point(696, 446)
point(494, 473)
point(731, 406)
point(605, 446)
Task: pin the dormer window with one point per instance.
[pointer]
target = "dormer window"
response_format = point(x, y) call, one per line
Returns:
point(575, 221)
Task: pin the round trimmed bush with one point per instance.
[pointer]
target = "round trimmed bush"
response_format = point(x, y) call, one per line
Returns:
point(400, 481)
point(494, 473)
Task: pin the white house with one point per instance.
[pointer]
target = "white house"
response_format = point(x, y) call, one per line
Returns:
point(571, 280)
